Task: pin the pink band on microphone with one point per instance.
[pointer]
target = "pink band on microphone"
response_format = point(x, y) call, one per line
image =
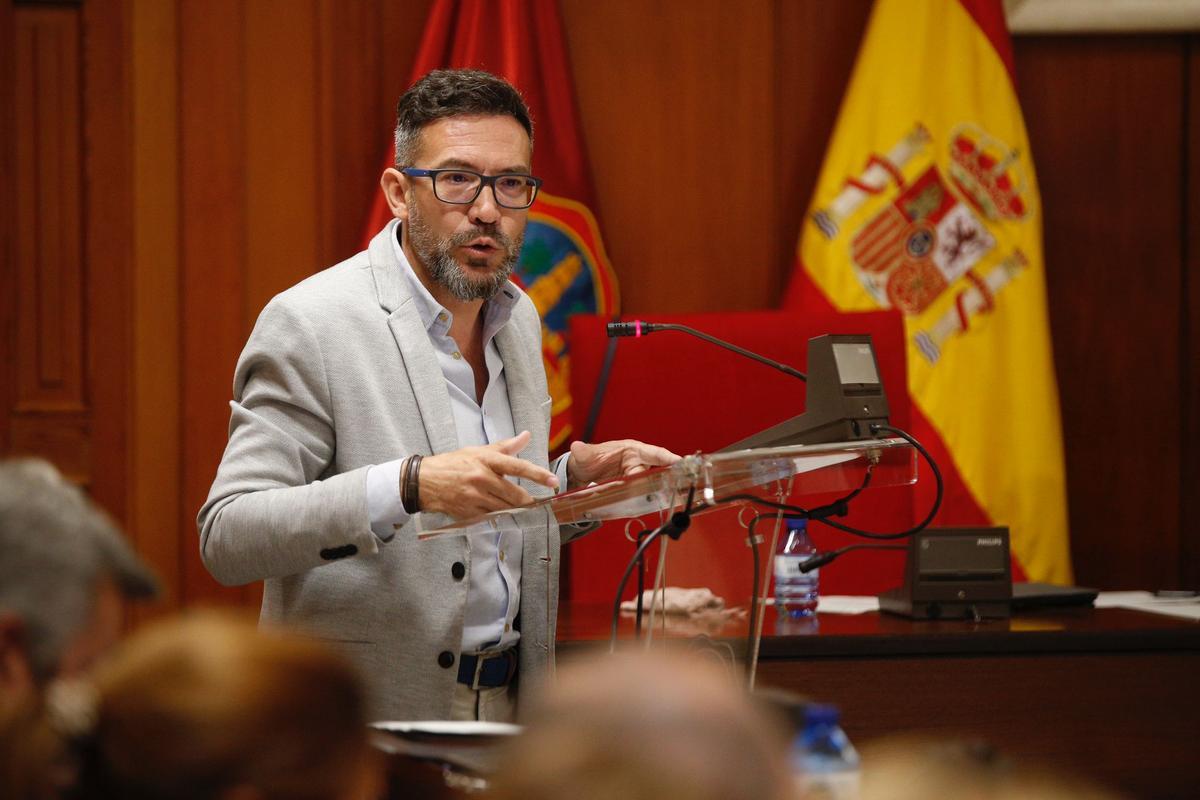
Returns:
point(637, 328)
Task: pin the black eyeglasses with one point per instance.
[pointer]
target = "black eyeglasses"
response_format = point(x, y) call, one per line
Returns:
point(462, 186)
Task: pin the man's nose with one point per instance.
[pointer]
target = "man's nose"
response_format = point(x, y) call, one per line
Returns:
point(485, 210)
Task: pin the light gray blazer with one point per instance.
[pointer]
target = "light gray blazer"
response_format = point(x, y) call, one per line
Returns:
point(339, 374)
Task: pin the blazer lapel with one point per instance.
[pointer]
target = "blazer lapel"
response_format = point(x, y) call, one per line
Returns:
point(424, 375)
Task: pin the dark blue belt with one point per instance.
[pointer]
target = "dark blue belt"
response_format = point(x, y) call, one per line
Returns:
point(488, 670)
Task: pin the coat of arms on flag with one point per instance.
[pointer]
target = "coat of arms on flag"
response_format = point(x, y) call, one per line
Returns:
point(931, 231)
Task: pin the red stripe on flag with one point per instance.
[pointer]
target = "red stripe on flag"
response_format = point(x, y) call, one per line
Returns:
point(989, 16)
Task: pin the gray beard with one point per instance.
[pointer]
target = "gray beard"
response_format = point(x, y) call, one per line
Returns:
point(436, 253)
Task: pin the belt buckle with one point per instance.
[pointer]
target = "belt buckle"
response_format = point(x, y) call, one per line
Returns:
point(480, 658)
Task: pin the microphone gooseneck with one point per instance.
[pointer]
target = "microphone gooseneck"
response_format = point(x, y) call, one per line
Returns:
point(640, 328)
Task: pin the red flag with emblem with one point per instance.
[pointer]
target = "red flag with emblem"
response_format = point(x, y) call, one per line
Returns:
point(563, 266)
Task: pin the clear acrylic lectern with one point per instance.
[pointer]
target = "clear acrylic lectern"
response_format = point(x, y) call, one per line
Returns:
point(711, 481)
point(700, 483)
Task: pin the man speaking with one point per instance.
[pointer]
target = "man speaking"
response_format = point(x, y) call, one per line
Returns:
point(408, 380)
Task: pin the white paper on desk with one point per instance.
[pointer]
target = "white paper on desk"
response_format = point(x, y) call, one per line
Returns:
point(439, 727)
point(1185, 607)
point(846, 604)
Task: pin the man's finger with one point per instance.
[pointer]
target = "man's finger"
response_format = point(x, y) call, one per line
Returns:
point(509, 495)
point(654, 455)
point(519, 468)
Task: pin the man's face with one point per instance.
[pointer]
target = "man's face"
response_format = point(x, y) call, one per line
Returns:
point(468, 249)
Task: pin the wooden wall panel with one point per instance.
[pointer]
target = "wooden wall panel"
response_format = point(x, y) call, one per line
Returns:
point(280, 181)
point(366, 52)
point(108, 224)
point(817, 45)
point(212, 251)
point(49, 406)
point(156, 514)
point(8, 223)
point(1111, 188)
point(678, 118)
point(1189, 528)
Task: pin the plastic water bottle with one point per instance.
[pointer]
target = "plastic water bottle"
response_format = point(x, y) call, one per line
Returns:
point(795, 591)
point(825, 762)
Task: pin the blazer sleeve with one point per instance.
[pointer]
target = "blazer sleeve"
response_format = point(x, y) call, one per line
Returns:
point(275, 507)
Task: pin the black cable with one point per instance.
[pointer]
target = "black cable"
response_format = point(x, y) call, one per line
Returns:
point(673, 527)
point(610, 354)
point(641, 588)
point(821, 559)
point(755, 587)
point(798, 511)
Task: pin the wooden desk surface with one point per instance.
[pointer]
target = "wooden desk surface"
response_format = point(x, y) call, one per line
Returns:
point(1109, 693)
point(1049, 631)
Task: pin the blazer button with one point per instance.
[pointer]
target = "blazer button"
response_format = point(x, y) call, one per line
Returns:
point(458, 570)
point(445, 659)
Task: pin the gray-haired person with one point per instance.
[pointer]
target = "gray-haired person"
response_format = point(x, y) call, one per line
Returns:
point(64, 572)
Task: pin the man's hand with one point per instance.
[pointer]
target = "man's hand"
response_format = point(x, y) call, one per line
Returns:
point(600, 462)
point(471, 481)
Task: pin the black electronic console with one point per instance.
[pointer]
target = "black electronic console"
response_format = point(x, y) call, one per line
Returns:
point(845, 397)
point(954, 573)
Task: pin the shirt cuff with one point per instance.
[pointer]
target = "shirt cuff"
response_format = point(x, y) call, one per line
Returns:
point(559, 468)
point(383, 499)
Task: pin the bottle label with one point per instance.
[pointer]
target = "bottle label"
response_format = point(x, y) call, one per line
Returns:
point(789, 567)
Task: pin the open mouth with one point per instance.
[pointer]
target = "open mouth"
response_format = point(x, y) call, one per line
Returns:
point(481, 247)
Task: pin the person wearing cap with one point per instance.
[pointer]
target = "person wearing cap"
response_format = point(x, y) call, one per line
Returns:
point(394, 392)
point(65, 571)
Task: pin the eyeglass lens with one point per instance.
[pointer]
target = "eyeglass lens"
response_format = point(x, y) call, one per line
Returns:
point(515, 191)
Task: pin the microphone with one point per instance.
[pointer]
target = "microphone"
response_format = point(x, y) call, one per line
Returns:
point(640, 328)
point(635, 328)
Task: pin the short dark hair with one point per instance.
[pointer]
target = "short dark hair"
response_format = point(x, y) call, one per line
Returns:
point(450, 93)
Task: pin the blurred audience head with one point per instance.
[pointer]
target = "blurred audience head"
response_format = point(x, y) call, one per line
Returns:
point(644, 728)
point(208, 706)
point(64, 573)
point(912, 768)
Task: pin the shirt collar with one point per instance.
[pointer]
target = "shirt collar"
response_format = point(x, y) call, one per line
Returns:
point(437, 318)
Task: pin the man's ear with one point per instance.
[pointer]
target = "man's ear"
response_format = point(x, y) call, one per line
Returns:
point(16, 673)
point(395, 186)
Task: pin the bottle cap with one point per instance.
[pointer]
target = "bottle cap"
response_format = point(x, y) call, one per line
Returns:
point(821, 714)
point(796, 523)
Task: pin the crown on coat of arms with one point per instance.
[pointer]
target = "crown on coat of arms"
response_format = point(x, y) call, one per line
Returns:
point(987, 172)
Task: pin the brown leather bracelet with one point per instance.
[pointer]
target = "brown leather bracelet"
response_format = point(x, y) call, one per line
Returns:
point(414, 483)
point(409, 486)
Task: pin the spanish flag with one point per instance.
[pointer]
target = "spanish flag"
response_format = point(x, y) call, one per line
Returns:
point(927, 203)
point(563, 266)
